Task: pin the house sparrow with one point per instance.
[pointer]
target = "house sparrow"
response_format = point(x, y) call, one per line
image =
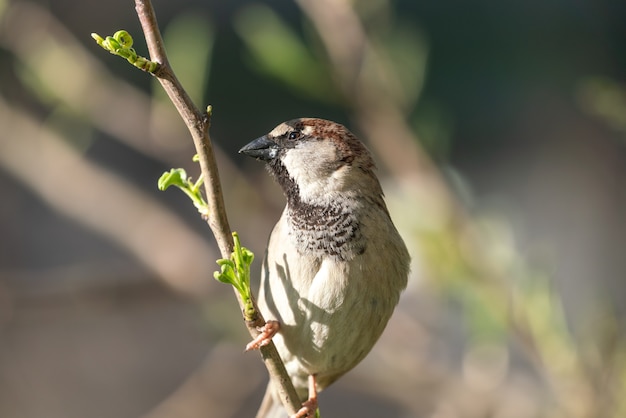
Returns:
point(335, 263)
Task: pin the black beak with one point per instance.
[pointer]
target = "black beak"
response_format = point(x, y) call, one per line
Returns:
point(261, 148)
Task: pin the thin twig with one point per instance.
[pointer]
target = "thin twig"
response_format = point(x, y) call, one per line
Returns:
point(198, 124)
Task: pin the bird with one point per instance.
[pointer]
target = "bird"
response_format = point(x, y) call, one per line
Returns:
point(335, 264)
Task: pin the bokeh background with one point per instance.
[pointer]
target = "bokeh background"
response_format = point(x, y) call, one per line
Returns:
point(498, 128)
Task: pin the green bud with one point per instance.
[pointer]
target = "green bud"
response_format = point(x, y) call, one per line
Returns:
point(129, 54)
point(247, 255)
point(99, 39)
point(145, 64)
point(248, 310)
point(225, 262)
point(221, 277)
point(123, 38)
point(112, 45)
point(227, 274)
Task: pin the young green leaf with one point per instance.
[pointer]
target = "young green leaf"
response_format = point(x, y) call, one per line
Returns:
point(236, 271)
point(174, 177)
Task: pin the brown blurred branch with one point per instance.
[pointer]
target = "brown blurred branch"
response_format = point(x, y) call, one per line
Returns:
point(198, 124)
point(375, 109)
point(43, 161)
point(382, 117)
point(41, 43)
point(208, 392)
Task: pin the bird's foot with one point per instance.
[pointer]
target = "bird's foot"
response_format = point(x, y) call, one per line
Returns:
point(309, 407)
point(308, 410)
point(268, 331)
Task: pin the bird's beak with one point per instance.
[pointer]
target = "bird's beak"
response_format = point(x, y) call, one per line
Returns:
point(261, 148)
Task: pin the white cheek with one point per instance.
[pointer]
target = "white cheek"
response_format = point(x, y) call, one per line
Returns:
point(302, 168)
point(309, 166)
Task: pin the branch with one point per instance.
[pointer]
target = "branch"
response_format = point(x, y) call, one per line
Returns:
point(198, 124)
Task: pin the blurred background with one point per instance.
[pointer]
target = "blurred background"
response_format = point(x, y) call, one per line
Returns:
point(499, 131)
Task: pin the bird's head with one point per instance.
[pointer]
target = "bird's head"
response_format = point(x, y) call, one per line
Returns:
point(315, 160)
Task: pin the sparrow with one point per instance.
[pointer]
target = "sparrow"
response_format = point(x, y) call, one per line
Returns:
point(335, 264)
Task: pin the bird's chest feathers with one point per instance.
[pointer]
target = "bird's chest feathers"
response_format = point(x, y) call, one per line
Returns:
point(325, 231)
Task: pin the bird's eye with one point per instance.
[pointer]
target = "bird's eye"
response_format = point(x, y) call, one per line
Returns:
point(293, 135)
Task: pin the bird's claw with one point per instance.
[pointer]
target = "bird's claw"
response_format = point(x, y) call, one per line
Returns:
point(268, 331)
point(308, 410)
point(309, 407)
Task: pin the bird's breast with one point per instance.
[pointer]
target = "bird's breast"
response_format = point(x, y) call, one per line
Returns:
point(332, 307)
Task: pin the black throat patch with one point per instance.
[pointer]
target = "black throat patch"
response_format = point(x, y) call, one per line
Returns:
point(320, 231)
point(326, 231)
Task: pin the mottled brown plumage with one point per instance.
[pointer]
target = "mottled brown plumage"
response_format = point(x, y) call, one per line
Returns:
point(335, 264)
